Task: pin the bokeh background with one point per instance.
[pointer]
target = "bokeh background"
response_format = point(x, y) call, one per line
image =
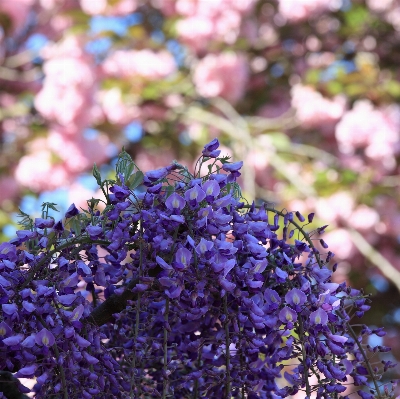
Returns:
point(306, 92)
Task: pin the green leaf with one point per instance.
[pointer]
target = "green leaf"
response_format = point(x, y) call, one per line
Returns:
point(135, 180)
point(49, 205)
point(75, 224)
point(26, 221)
point(96, 174)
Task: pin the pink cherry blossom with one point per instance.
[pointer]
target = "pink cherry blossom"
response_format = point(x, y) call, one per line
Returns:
point(115, 109)
point(363, 218)
point(107, 7)
point(71, 80)
point(8, 189)
point(380, 5)
point(205, 21)
point(213, 76)
point(331, 209)
point(144, 63)
point(57, 160)
point(340, 243)
point(299, 10)
point(76, 152)
point(313, 110)
point(38, 172)
point(376, 130)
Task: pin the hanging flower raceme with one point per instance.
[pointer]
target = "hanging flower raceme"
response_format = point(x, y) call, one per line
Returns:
point(178, 288)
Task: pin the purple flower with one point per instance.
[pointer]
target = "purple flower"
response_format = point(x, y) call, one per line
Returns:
point(77, 313)
point(82, 342)
point(90, 359)
point(161, 262)
point(287, 315)
point(27, 372)
point(5, 330)
point(120, 192)
point(182, 259)
point(211, 189)
point(29, 342)
point(210, 149)
point(83, 269)
point(204, 247)
point(28, 306)
point(25, 235)
point(175, 202)
point(272, 299)
point(58, 227)
point(319, 317)
point(71, 211)
point(194, 196)
point(94, 231)
point(8, 251)
point(45, 337)
point(13, 340)
point(154, 175)
point(300, 216)
point(66, 299)
point(44, 223)
point(295, 297)
point(10, 309)
point(233, 168)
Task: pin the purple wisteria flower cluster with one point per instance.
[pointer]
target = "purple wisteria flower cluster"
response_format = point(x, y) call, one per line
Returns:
point(179, 289)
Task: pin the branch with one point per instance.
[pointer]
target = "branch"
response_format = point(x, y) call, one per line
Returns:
point(117, 303)
point(387, 269)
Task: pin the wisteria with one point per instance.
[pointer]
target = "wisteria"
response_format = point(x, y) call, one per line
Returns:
point(178, 288)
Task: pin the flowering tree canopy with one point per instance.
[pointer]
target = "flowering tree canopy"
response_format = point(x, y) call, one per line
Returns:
point(177, 287)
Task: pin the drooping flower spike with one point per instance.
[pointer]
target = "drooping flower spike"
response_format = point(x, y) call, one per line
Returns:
point(180, 289)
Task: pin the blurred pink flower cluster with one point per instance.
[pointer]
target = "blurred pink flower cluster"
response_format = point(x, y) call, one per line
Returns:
point(203, 21)
point(374, 130)
point(66, 100)
point(69, 85)
point(107, 7)
point(222, 75)
point(146, 64)
point(315, 111)
point(299, 10)
point(56, 161)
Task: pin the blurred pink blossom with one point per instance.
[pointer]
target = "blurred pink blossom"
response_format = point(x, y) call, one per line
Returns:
point(78, 153)
point(38, 171)
point(338, 206)
point(115, 109)
point(363, 218)
point(107, 7)
point(145, 63)
point(78, 195)
point(389, 212)
point(204, 21)
point(69, 85)
point(379, 5)
point(340, 243)
point(376, 130)
point(313, 110)
point(9, 189)
point(298, 10)
point(57, 160)
point(213, 76)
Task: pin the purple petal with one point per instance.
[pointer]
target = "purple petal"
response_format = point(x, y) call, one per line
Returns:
point(45, 337)
point(67, 299)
